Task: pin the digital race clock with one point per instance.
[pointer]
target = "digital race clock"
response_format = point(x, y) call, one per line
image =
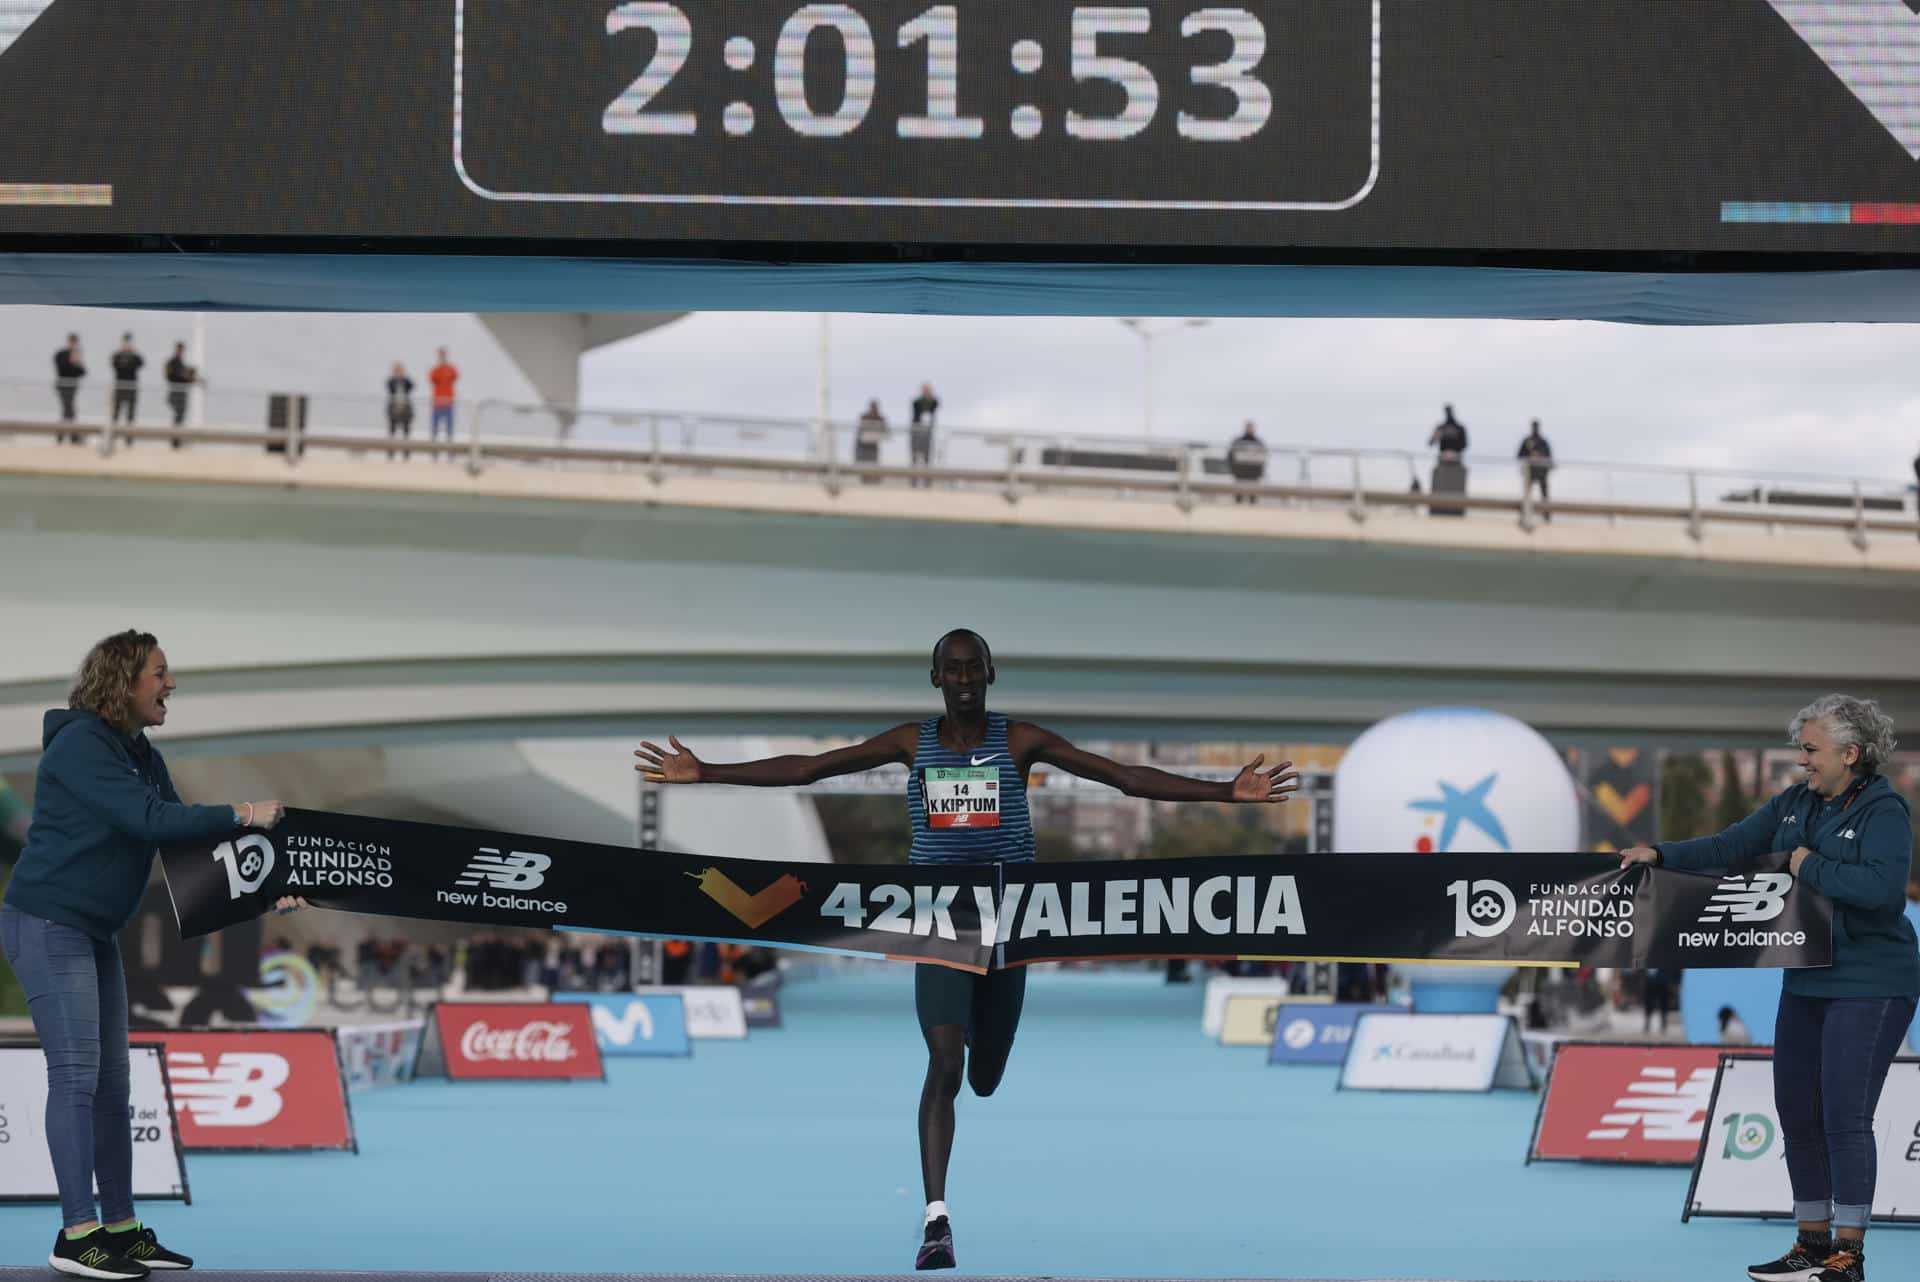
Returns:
point(1167, 105)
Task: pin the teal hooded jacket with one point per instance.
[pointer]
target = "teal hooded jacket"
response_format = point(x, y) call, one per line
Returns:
point(1862, 854)
point(102, 803)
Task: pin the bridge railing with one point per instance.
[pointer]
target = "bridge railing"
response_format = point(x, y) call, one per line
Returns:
point(1366, 484)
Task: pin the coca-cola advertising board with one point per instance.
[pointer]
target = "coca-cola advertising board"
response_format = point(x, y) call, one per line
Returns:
point(491, 1041)
point(257, 1090)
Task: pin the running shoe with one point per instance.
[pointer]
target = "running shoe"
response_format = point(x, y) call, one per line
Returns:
point(93, 1256)
point(937, 1251)
point(1800, 1264)
point(146, 1248)
point(1848, 1263)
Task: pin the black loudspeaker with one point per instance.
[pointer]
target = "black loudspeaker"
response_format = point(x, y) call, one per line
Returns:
point(1449, 477)
point(286, 412)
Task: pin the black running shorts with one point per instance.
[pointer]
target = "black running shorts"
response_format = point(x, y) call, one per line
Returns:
point(987, 1006)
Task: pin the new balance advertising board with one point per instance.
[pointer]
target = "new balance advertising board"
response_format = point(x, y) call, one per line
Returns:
point(644, 1023)
point(497, 1040)
point(26, 1170)
point(1742, 1167)
point(1637, 1103)
point(1514, 909)
point(253, 1090)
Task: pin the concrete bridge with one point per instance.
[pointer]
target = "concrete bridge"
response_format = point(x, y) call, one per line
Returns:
point(354, 601)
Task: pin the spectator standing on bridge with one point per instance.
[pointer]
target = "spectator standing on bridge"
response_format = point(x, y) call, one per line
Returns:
point(867, 436)
point(69, 369)
point(920, 434)
point(967, 1020)
point(443, 376)
point(1838, 1026)
point(1247, 461)
point(1536, 457)
point(102, 802)
point(1449, 437)
point(399, 405)
point(126, 379)
point(180, 380)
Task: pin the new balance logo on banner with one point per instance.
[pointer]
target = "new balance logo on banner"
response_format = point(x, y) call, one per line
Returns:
point(516, 870)
point(1761, 898)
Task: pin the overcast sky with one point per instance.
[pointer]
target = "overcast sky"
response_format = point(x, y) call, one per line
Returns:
point(1833, 399)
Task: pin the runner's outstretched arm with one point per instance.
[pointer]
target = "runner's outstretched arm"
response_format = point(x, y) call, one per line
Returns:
point(678, 765)
point(1252, 784)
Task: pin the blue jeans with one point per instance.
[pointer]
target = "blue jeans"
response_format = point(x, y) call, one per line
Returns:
point(76, 990)
point(442, 417)
point(1830, 1059)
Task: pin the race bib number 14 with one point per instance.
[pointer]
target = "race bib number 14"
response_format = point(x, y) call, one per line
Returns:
point(963, 796)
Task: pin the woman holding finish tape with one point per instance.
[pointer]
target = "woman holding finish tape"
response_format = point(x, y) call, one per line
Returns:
point(102, 802)
point(1839, 1026)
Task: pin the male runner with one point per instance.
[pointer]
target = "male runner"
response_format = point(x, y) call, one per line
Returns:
point(948, 758)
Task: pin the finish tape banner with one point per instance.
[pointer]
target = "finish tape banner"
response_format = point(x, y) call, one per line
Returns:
point(1511, 909)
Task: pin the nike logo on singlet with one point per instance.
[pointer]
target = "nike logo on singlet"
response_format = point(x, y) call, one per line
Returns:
point(981, 761)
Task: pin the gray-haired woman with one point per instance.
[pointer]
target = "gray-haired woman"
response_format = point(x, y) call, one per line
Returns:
point(1840, 1026)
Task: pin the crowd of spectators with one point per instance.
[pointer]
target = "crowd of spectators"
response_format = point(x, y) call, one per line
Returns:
point(181, 377)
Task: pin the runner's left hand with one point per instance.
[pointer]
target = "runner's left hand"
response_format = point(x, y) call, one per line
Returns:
point(1800, 854)
point(288, 903)
point(1255, 784)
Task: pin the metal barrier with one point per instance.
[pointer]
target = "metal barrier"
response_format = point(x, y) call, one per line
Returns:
point(1365, 484)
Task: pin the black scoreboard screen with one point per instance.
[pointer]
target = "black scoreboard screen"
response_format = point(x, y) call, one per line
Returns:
point(1249, 127)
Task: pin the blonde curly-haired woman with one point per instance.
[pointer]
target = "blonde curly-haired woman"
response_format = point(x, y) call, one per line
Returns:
point(102, 802)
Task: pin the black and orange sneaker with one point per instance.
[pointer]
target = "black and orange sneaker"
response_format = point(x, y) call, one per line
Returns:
point(93, 1256)
point(937, 1251)
point(1848, 1263)
point(1800, 1264)
point(140, 1244)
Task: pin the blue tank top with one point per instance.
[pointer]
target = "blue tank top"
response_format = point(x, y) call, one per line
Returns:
point(968, 807)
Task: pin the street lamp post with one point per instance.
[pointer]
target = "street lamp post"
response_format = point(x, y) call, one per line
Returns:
point(1147, 334)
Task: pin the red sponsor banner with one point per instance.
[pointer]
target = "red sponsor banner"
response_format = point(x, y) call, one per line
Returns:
point(493, 1040)
point(257, 1089)
point(1626, 1102)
